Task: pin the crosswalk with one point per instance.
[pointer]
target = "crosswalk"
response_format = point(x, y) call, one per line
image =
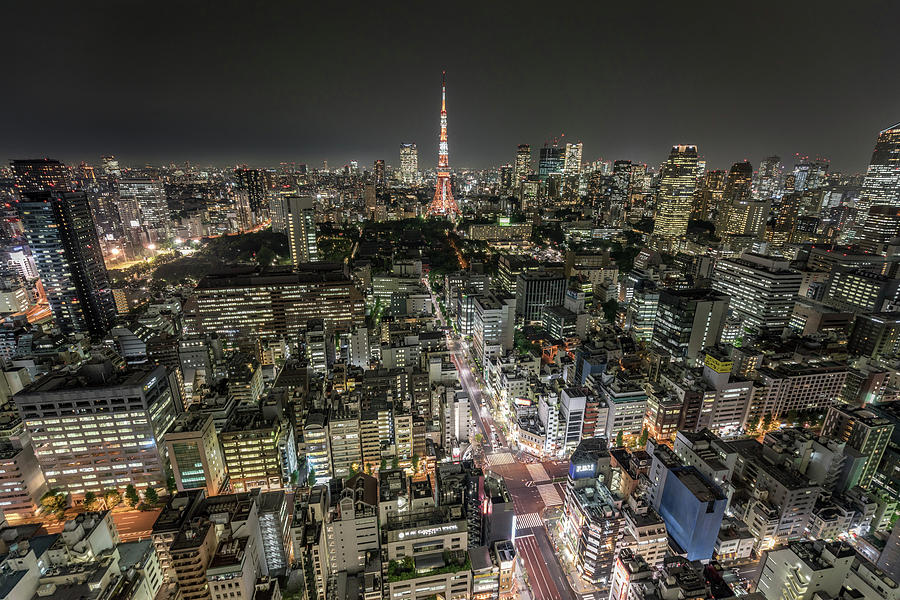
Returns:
point(538, 473)
point(549, 495)
point(502, 458)
point(528, 521)
point(594, 596)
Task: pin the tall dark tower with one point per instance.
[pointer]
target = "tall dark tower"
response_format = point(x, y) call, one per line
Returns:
point(882, 183)
point(443, 204)
point(63, 241)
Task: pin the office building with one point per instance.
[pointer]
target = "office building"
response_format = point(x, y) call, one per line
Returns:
point(250, 305)
point(761, 288)
point(344, 440)
point(572, 159)
point(97, 428)
point(803, 570)
point(881, 185)
point(351, 525)
point(875, 335)
point(692, 508)
point(677, 182)
point(149, 196)
point(770, 178)
point(591, 522)
point(862, 291)
point(536, 289)
point(41, 175)
point(798, 387)
point(195, 455)
point(493, 326)
point(523, 163)
point(882, 225)
point(300, 214)
point(550, 161)
point(409, 163)
point(863, 430)
point(259, 452)
point(66, 251)
point(22, 483)
point(688, 321)
point(254, 183)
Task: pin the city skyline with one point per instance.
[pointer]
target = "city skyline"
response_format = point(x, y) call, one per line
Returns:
point(733, 89)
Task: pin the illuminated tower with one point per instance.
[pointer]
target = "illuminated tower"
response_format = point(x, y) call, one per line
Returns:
point(443, 203)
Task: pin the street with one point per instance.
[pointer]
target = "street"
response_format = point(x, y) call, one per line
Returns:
point(533, 486)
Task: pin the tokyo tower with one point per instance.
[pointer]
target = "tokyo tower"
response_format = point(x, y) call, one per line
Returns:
point(443, 204)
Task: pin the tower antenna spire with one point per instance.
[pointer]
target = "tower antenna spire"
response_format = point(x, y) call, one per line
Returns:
point(443, 203)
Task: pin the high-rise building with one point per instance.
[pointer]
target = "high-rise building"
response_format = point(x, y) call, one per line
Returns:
point(572, 160)
point(550, 161)
point(882, 182)
point(761, 288)
point(246, 307)
point(259, 452)
point(99, 428)
point(380, 175)
point(740, 214)
point(536, 289)
point(41, 175)
point(863, 430)
point(677, 182)
point(688, 321)
point(882, 224)
point(149, 195)
point(443, 204)
point(66, 251)
point(875, 335)
point(803, 570)
point(770, 179)
point(301, 229)
point(110, 165)
point(253, 181)
point(523, 163)
point(492, 332)
point(409, 163)
point(195, 454)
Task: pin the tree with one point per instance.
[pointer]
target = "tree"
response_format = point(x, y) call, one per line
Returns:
point(90, 498)
point(113, 498)
point(642, 441)
point(171, 486)
point(151, 496)
point(753, 424)
point(294, 477)
point(766, 422)
point(54, 503)
point(610, 308)
point(479, 439)
point(383, 466)
point(131, 496)
point(395, 463)
point(415, 462)
point(620, 439)
point(311, 478)
point(265, 257)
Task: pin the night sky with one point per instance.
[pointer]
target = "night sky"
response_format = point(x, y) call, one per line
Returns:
point(232, 82)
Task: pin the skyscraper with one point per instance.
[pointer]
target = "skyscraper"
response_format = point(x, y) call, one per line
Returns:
point(443, 203)
point(572, 161)
point(41, 175)
point(523, 163)
point(770, 179)
point(409, 163)
point(379, 174)
point(66, 251)
point(677, 181)
point(253, 181)
point(110, 166)
point(740, 214)
point(301, 229)
point(550, 161)
point(882, 182)
point(149, 195)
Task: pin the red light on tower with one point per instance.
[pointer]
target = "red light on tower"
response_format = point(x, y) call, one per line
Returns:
point(443, 203)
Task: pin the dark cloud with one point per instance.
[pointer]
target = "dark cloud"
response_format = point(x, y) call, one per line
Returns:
point(227, 82)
